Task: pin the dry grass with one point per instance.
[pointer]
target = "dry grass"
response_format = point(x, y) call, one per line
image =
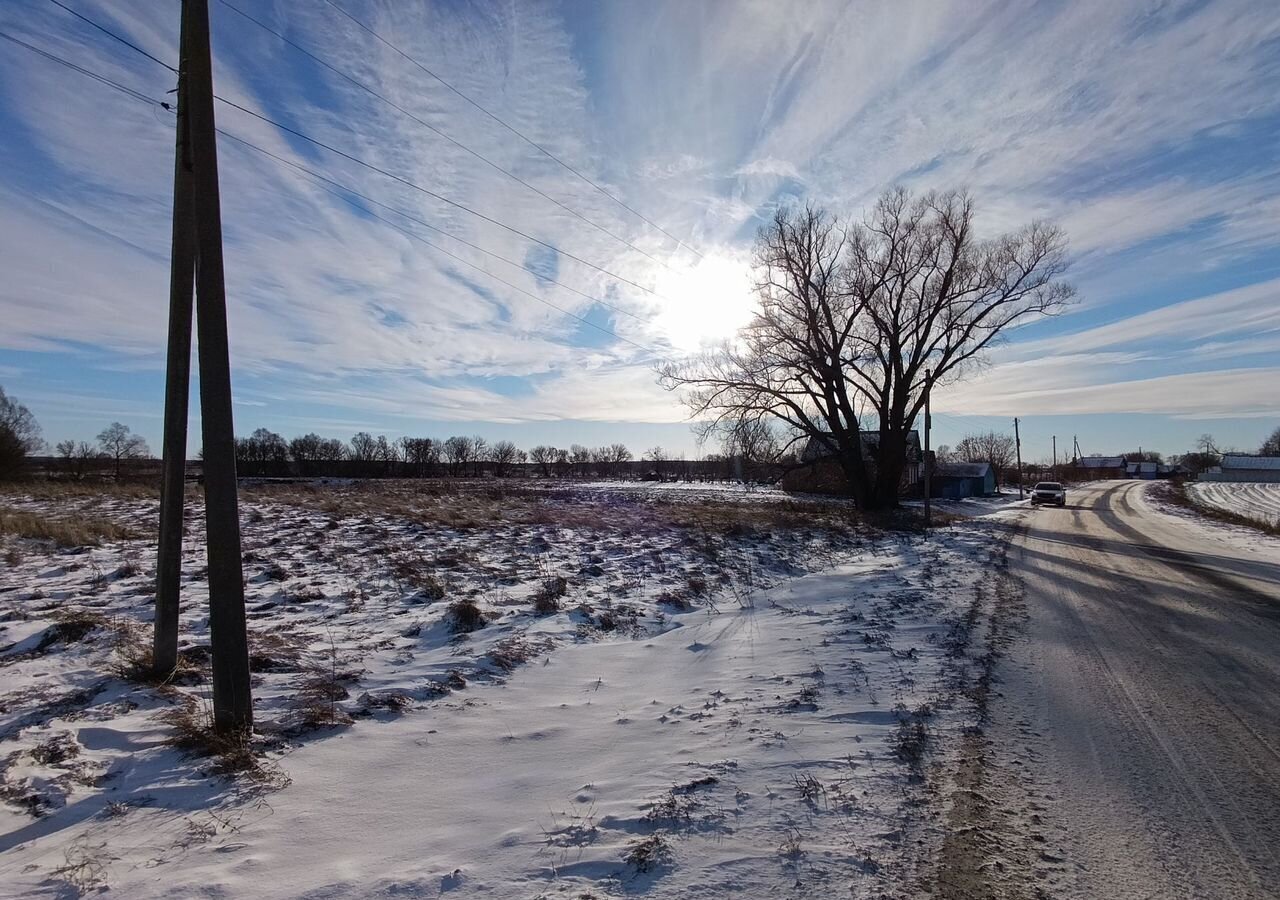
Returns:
point(68, 490)
point(83, 531)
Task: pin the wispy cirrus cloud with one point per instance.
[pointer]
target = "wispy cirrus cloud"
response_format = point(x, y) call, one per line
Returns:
point(1145, 132)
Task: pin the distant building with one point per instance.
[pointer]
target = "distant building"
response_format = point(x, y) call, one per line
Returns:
point(1245, 468)
point(820, 472)
point(957, 480)
point(1149, 471)
point(1097, 467)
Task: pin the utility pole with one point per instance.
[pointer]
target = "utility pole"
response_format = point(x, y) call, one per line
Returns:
point(1055, 457)
point(182, 262)
point(1017, 443)
point(928, 463)
point(196, 198)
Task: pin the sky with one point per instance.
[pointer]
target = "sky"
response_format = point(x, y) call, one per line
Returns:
point(1149, 131)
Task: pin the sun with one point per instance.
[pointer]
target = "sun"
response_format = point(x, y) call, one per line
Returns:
point(704, 301)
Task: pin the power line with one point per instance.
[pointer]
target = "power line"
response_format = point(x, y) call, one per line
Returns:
point(430, 193)
point(532, 143)
point(113, 35)
point(373, 93)
point(399, 212)
point(124, 89)
point(143, 98)
point(368, 165)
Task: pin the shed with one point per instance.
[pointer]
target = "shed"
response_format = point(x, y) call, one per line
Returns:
point(957, 480)
point(1245, 468)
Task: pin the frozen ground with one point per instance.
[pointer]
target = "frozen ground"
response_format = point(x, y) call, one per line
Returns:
point(1253, 500)
point(673, 693)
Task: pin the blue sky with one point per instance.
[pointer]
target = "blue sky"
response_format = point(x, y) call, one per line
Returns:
point(1149, 131)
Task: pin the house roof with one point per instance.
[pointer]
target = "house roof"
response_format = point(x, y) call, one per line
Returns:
point(1100, 462)
point(963, 470)
point(815, 448)
point(1143, 467)
point(1251, 462)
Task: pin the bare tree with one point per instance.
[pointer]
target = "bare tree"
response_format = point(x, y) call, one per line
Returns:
point(459, 451)
point(262, 453)
point(544, 457)
point(989, 447)
point(503, 455)
point(306, 452)
point(421, 454)
point(1271, 446)
point(117, 443)
point(853, 322)
point(19, 435)
point(76, 456)
point(658, 457)
point(579, 458)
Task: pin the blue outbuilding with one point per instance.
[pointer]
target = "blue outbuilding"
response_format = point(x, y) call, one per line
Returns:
point(956, 480)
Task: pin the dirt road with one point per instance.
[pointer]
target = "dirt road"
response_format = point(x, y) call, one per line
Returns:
point(1135, 739)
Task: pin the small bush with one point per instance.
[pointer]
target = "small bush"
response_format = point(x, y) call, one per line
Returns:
point(465, 617)
point(649, 853)
point(546, 599)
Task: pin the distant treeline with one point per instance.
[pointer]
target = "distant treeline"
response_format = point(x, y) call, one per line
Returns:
point(265, 454)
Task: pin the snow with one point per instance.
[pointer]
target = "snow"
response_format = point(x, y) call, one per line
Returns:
point(1255, 500)
point(731, 699)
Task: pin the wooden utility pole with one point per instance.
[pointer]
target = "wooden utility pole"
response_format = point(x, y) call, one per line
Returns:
point(182, 262)
point(198, 234)
point(1017, 443)
point(928, 463)
point(1055, 457)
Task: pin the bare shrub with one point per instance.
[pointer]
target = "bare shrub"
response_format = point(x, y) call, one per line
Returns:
point(465, 616)
point(546, 599)
point(193, 732)
point(648, 853)
point(318, 699)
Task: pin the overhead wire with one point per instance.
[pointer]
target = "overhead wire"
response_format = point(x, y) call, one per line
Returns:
point(407, 182)
point(113, 35)
point(391, 103)
point(511, 128)
point(412, 218)
point(150, 101)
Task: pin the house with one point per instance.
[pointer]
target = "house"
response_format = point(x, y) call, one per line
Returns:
point(1245, 468)
point(1148, 471)
point(820, 473)
point(957, 480)
point(1089, 468)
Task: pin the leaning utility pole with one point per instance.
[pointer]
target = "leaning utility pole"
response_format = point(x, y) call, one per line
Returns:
point(1017, 443)
point(928, 464)
point(198, 153)
point(182, 263)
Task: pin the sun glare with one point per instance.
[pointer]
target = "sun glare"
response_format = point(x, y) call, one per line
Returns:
point(705, 302)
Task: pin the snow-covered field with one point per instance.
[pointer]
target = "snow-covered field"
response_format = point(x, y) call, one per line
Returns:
point(667, 693)
point(1253, 500)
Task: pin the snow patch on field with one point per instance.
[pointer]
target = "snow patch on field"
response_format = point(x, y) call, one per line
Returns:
point(1253, 500)
point(701, 709)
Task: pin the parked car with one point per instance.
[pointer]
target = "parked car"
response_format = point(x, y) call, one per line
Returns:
point(1049, 492)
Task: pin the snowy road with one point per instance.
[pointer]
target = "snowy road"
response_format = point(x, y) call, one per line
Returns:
point(1140, 719)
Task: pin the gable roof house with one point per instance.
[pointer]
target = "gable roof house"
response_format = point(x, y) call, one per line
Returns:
point(1245, 468)
point(820, 473)
point(1093, 467)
